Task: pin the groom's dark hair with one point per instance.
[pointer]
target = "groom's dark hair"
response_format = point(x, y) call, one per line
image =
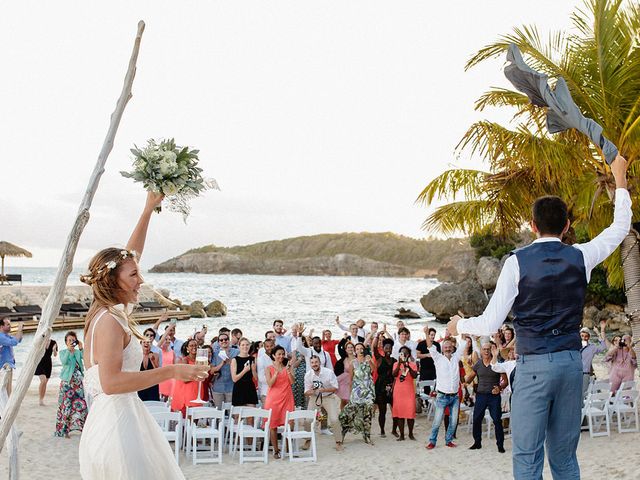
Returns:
point(550, 215)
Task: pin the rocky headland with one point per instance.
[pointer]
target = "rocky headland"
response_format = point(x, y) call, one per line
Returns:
point(357, 254)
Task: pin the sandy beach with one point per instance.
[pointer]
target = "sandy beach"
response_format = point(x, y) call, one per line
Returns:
point(44, 456)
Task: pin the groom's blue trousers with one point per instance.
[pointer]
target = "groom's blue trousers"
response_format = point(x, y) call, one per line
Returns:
point(547, 406)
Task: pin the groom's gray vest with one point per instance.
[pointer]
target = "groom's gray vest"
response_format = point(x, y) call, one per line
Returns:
point(551, 291)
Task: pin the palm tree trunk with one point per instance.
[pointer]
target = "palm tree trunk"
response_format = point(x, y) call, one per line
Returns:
point(630, 254)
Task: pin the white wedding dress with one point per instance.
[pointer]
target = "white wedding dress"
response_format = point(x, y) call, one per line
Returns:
point(120, 439)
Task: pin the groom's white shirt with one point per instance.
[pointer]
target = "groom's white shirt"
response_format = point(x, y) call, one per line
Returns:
point(593, 252)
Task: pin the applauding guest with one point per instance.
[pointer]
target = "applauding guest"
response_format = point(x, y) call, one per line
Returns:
point(243, 371)
point(223, 386)
point(149, 362)
point(280, 396)
point(384, 382)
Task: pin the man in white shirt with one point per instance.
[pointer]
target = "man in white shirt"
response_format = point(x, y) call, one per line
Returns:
point(316, 350)
point(544, 284)
point(403, 341)
point(447, 383)
point(320, 387)
point(263, 361)
point(357, 332)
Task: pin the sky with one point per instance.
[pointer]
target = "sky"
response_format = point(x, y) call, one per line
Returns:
point(314, 117)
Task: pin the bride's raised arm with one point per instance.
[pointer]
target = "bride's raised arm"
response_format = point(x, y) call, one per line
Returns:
point(139, 235)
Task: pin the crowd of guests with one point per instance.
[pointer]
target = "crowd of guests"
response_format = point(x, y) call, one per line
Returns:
point(349, 380)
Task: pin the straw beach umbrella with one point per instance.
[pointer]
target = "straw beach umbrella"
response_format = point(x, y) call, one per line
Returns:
point(10, 250)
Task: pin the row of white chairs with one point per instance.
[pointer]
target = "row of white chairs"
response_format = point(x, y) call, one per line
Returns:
point(236, 429)
point(601, 406)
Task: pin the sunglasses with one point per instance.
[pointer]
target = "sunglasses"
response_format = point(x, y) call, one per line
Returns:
point(223, 339)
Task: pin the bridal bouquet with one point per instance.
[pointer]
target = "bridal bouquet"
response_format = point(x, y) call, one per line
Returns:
point(164, 167)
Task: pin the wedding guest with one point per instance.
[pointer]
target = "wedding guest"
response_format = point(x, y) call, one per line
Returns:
point(399, 325)
point(384, 382)
point(236, 335)
point(280, 396)
point(151, 334)
point(149, 362)
point(263, 361)
point(447, 385)
point(623, 362)
point(7, 342)
point(283, 339)
point(185, 392)
point(320, 386)
point(329, 345)
point(43, 370)
point(353, 334)
point(243, 371)
point(403, 340)
point(356, 415)
point(168, 358)
point(356, 336)
point(223, 385)
point(427, 367)
point(487, 396)
point(299, 368)
point(544, 285)
point(344, 371)
point(404, 391)
point(72, 408)
point(588, 352)
point(315, 350)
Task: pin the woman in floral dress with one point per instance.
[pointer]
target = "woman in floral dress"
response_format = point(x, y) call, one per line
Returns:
point(72, 408)
point(356, 415)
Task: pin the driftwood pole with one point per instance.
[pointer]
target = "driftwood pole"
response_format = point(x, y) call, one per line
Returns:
point(54, 299)
point(14, 436)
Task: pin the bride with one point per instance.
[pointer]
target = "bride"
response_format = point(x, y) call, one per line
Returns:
point(121, 440)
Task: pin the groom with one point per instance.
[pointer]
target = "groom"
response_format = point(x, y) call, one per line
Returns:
point(544, 284)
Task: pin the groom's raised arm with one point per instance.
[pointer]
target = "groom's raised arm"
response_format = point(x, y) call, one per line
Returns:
point(498, 308)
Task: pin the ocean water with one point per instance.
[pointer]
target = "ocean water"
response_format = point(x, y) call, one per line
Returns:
point(254, 301)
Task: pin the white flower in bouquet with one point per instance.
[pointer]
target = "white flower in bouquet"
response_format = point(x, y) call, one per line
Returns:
point(173, 170)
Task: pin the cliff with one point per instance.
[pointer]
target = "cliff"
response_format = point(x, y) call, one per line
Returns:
point(361, 254)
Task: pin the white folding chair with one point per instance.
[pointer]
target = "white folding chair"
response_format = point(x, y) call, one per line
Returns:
point(597, 412)
point(629, 385)
point(231, 429)
point(259, 430)
point(599, 386)
point(172, 432)
point(207, 423)
point(292, 437)
point(625, 407)
point(427, 400)
point(188, 421)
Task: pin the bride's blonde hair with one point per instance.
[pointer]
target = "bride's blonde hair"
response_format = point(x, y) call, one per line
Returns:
point(103, 280)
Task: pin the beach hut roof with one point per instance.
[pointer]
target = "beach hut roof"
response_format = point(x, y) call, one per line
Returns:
point(10, 250)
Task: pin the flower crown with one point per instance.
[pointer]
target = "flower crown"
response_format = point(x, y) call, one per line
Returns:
point(90, 278)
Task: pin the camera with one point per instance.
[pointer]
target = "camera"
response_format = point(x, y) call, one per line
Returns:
point(74, 343)
point(621, 344)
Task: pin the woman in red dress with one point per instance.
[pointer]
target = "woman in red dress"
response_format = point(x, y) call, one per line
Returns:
point(404, 391)
point(185, 392)
point(280, 395)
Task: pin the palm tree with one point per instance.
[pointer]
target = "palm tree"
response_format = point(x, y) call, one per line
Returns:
point(600, 61)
